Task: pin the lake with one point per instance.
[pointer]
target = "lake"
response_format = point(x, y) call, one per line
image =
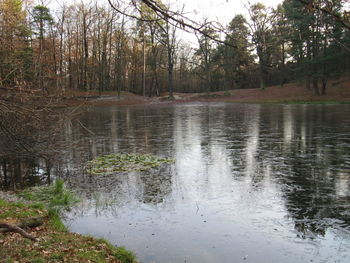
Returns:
point(250, 183)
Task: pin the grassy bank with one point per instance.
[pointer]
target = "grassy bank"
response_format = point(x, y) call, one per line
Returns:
point(54, 243)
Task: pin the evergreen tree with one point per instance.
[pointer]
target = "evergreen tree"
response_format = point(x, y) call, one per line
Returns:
point(205, 54)
point(237, 57)
point(42, 20)
point(262, 38)
point(15, 50)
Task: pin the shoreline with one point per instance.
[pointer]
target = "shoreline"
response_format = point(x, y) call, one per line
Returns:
point(53, 242)
point(338, 92)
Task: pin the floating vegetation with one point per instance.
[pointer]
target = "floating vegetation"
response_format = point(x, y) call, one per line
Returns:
point(113, 163)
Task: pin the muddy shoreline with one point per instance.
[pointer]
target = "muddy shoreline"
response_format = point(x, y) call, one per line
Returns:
point(337, 92)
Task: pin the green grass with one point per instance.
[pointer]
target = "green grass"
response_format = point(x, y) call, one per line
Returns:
point(51, 196)
point(124, 255)
point(19, 211)
point(55, 220)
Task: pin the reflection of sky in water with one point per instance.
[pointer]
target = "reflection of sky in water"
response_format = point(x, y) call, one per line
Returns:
point(251, 183)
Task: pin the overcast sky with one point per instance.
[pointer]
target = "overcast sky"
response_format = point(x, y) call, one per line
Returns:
point(219, 10)
point(216, 10)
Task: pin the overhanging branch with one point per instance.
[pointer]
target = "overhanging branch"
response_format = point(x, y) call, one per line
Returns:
point(178, 20)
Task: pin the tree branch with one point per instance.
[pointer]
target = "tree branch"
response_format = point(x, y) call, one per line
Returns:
point(184, 23)
point(342, 20)
point(130, 15)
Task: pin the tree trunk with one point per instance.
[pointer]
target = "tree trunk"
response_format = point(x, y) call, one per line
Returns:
point(283, 67)
point(262, 77)
point(309, 73)
point(143, 64)
point(86, 52)
point(170, 81)
point(315, 86)
point(324, 85)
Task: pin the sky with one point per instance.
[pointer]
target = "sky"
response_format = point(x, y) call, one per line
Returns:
point(216, 10)
point(221, 11)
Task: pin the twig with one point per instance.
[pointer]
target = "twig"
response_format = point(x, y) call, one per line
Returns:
point(178, 20)
point(84, 127)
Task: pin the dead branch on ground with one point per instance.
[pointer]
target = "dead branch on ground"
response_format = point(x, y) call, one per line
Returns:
point(13, 228)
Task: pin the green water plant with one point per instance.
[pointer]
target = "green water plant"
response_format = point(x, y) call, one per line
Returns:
point(123, 162)
point(54, 196)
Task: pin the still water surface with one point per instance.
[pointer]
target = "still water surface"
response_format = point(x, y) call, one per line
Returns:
point(250, 183)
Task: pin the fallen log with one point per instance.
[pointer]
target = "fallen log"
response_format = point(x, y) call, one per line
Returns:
point(16, 229)
point(31, 222)
point(27, 223)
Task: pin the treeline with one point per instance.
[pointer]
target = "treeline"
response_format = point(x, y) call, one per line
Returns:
point(92, 47)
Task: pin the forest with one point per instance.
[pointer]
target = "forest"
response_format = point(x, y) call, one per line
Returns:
point(90, 46)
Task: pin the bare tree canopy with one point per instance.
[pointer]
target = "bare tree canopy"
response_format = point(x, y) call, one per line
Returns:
point(175, 18)
point(134, 46)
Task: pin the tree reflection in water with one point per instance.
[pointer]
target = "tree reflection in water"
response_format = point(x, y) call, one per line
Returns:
point(301, 149)
point(264, 161)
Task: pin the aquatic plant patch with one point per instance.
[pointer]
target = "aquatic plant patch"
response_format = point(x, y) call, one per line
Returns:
point(55, 196)
point(113, 163)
